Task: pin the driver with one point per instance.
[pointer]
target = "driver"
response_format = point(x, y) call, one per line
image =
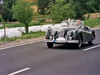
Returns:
point(79, 22)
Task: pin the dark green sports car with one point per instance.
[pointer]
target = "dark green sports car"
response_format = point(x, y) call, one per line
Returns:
point(73, 31)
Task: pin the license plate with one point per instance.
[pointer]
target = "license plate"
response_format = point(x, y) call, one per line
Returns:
point(59, 41)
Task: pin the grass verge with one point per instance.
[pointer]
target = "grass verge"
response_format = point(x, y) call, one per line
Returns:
point(92, 22)
point(24, 36)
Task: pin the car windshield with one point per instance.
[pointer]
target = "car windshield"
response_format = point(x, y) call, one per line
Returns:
point(74, 23)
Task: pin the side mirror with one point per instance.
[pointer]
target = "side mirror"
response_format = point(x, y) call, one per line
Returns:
point(79, 27)
point(86, 28)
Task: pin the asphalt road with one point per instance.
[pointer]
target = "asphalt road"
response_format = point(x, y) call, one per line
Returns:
point(37, 59)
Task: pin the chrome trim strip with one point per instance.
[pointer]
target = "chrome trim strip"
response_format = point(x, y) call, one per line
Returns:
point(69, 41)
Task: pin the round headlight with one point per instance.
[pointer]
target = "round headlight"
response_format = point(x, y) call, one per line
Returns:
point(70, 38)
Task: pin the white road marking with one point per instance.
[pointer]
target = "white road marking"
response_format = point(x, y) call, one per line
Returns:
point(17, 72)
point(18, 45)
point(91, 48)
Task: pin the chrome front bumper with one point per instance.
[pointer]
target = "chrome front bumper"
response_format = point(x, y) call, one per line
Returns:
point(61, 41)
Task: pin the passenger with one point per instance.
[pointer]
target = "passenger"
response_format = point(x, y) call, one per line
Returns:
point(69, 22)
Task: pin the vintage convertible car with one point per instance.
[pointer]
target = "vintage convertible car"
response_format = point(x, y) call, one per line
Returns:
point(74, 32)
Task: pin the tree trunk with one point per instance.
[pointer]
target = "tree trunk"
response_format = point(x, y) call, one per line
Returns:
point(26, 28)
point(4, 32)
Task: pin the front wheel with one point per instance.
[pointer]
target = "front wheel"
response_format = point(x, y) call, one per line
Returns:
point(79, 44)
point(91, 42)
point(49, 44)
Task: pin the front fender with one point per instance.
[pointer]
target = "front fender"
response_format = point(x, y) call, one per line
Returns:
point(78, 34)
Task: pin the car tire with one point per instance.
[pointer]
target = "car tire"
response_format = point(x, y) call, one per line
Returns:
point(79, 44)
point(91, 42)
point(50, 45)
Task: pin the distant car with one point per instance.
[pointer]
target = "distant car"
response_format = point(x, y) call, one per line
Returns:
point(74, 32)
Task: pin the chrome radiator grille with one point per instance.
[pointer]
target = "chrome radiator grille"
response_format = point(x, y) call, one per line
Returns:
point(61, 33)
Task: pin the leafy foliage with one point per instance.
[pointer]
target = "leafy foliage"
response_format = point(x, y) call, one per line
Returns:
point(2, 20)
point(81, 7)
point(90, 6)
point(9, 3)
point(23, 12)
point(5, 9)
point(6, 13)
point(59, 12)
point(43, 5)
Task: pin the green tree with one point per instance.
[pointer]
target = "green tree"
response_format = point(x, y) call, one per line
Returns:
point(0, 8)
point(68, 11)
point(6, 13)
point(5, 9)
point(90, 6)
point(9, 3)
point(55, 12)
point(43, 5)
point(3, 22)
point(99, 8)
point(97, 4)
point(77, 7)
point(59, 12)
point(23, 12)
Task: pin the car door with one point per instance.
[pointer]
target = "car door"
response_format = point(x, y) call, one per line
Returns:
point(87, 35)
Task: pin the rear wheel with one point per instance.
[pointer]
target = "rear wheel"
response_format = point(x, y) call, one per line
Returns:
point(49, 44)
point(91, 42)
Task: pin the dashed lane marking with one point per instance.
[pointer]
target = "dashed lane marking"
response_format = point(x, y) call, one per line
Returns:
point(91, 48)
point(20, 71)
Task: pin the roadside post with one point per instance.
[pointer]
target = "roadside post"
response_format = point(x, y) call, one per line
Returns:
point(2, 21)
